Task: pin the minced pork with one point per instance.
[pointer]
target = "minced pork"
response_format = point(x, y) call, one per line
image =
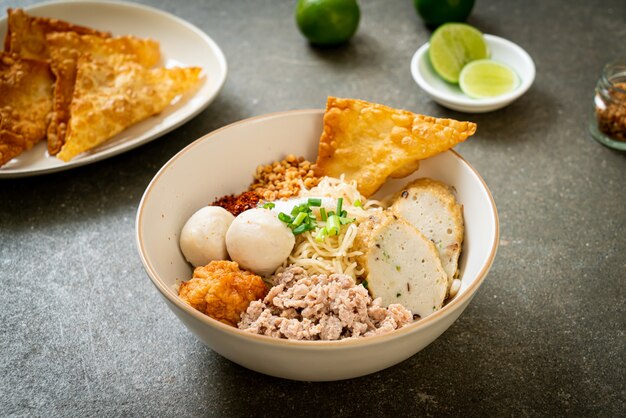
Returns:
point(320, 307)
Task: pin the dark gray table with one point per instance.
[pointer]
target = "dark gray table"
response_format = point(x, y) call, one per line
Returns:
point(84, 332)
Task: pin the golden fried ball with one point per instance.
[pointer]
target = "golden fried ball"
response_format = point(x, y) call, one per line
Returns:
point(222, 290)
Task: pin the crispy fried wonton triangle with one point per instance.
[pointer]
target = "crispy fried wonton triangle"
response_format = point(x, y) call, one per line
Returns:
point(369, 142)
point(25, 103)
point(114, 93)
point(26, 35)
point(65, 48)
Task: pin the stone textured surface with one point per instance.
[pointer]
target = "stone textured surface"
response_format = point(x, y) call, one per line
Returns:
point(83, 331)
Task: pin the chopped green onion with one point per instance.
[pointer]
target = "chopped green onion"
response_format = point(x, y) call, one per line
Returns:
point(300, 208)
point(314, 201)
point(300, 229)
point(339, 204)
point(295, 210)
point(285, 218)
point(303, 219)
point(345, 221)
point(269, 205)
point(301, 216)
point(334, 224)
point(321, 235)
point(358, 203)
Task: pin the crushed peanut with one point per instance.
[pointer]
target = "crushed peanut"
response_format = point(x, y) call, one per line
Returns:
point(283, 179)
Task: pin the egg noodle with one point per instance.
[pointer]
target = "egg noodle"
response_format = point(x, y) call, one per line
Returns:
point(334, 254)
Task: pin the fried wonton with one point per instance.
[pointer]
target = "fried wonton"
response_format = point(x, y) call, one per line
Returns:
point(26, 35)
point(25, 104)
point(65, 48)
point(369, 142)
point(113, 93)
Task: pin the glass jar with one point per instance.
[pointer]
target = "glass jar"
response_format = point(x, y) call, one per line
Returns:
point(608, 124)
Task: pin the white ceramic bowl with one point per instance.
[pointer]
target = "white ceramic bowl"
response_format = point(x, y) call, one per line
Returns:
point(223, 162)
point(451, 96)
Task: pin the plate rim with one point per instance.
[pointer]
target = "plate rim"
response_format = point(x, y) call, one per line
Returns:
point(124, 147)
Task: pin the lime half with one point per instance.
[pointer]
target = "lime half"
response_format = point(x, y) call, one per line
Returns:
point(486, 78)
point(452, 46)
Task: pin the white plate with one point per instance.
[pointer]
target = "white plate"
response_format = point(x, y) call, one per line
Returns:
point(182, 44)
point(451, 96)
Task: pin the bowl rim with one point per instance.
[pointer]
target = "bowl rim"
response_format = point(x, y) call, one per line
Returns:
point(263, 339)
point(526, 80)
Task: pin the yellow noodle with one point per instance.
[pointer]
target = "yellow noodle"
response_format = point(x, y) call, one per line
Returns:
point(333, 255)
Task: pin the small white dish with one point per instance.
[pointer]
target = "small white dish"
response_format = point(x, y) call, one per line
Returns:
point(182, 44)
point(204, 171)
point(451, 96)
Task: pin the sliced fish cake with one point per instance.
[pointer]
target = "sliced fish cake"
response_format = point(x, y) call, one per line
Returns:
point(403, 266)
point(431, 207)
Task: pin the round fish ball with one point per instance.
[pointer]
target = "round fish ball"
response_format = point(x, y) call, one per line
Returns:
point(258, 241)
point(202, 239)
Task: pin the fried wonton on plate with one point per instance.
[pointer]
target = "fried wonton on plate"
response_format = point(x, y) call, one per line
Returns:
point(65, 48)
point(25, 104)
point(370, 142)
point(26, 35)
point(114, 93)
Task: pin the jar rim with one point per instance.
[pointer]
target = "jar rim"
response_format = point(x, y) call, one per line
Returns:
point(611, 71)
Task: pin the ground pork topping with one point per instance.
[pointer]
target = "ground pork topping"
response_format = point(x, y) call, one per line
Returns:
point(320, 307)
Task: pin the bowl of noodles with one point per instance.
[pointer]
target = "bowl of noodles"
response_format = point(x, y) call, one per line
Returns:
point(325, 252)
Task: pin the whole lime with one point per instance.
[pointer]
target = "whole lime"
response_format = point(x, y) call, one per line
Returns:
point(327, 22)
point(437, 12)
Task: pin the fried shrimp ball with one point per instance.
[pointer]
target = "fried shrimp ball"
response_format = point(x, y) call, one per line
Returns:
point(222, 290)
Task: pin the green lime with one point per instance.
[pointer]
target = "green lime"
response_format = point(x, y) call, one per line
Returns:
point(452, 46)
point(486, 78)
point(436, 12)
point(327, 22)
